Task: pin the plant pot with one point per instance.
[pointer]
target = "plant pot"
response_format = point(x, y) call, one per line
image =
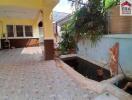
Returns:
point(57, 53)
point(71, 51)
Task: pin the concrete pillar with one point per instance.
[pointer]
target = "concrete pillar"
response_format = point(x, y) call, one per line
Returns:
point(48, 34)
point(114, 57)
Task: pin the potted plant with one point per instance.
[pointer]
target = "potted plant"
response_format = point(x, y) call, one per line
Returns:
point(67, 44)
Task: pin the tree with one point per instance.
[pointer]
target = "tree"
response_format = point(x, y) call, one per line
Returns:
point(89, 21)
point(77, 4)
point(67, 42)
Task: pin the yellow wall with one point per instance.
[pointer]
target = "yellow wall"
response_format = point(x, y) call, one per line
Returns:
point(44, 5)
point(11, 21)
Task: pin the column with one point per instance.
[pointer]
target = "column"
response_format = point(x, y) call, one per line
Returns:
point(48, 34)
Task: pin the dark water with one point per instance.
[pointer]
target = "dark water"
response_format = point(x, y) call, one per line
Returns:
point(86, 68)
point(121, 84)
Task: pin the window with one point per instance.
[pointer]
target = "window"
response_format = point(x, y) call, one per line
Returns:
point(19, 30)
point(10, 32)
point(28, 31)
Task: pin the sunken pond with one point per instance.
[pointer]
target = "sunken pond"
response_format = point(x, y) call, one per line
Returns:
point(87, 69)
point(94, 72)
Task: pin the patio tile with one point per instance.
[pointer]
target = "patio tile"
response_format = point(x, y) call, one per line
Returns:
point(24, 75)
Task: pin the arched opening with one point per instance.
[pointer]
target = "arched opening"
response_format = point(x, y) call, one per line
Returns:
point(47, 45)
point(40, 24)
point(41, 33)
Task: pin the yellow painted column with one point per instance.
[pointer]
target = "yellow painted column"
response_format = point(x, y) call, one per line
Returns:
point(4, 28)
point(1, 29)
point(48, 34)
point(47, 24)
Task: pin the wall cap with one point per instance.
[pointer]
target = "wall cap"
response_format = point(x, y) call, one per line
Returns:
point(120, 36)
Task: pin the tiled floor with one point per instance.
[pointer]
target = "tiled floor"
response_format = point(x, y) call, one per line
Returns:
point(24, 75)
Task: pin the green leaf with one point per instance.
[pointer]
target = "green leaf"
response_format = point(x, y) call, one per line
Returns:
point(109, 3)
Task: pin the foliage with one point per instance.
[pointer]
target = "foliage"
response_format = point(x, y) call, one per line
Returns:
point(107, 4)
point(110, 3)
point(89, 22)
point(67, 42)
point(77, 4)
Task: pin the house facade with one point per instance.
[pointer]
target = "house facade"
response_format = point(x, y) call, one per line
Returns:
point(119, 24)
point(19, 22)
point(60, 18)
point(58, 24)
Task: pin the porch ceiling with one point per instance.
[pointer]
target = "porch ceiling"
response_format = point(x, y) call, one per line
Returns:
point(28, 9)
point(33, 4)
point(16, 12)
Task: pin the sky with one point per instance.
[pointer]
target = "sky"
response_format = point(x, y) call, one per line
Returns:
point(63, 6)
